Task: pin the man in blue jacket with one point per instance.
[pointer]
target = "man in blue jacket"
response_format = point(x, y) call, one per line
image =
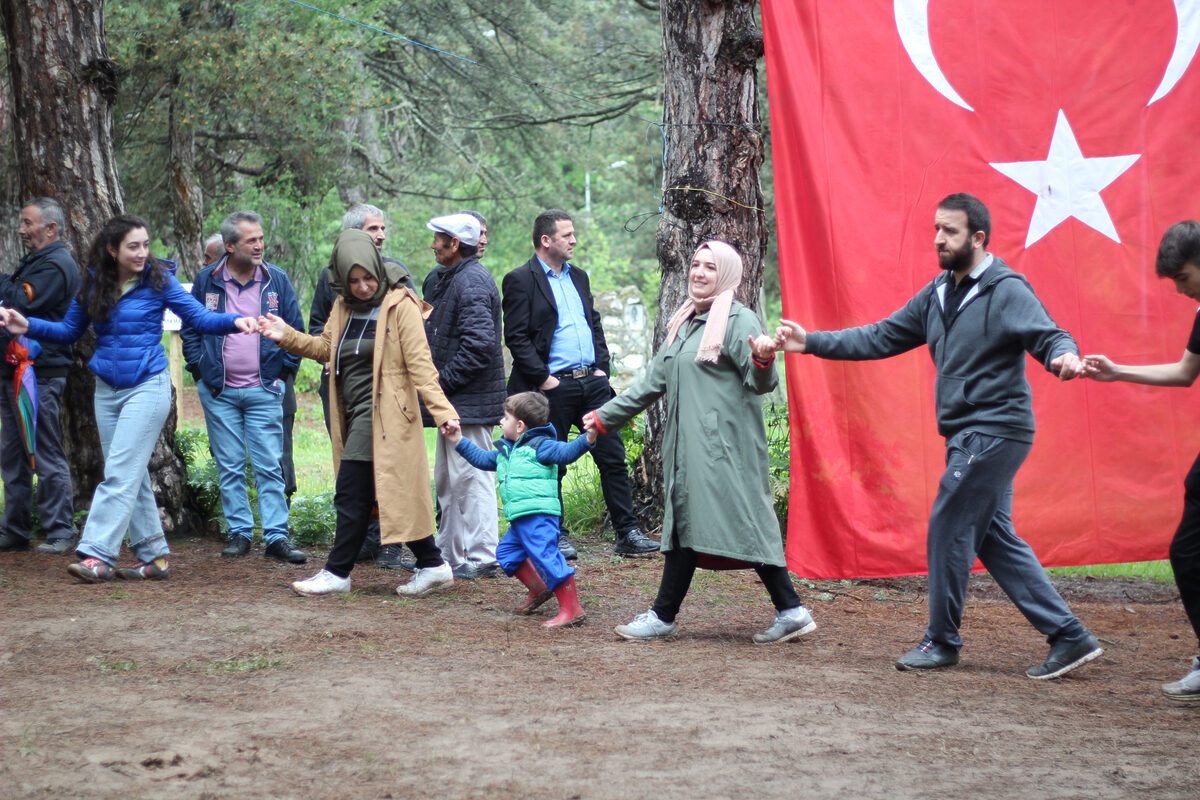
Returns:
point(978, 318)
point(241, 380)
point(42, 286)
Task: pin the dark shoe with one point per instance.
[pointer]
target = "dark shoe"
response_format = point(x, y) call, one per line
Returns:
point(156, 570)
point(565, 547)
point(10, 543)
point(238, 546)
point(57, 546)
point(928, 655)
point(491, 570)
point(391, 556)
point(92, 570)
point(634, 544)
point(283, 550)
point(465, 571)
point(1187, 688)
point(1065, 655)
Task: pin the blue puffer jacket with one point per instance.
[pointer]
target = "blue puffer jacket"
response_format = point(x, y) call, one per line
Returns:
point(204, 356)
point(129, 345)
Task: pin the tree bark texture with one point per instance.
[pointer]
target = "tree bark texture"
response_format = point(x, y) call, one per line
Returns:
point(10, 188)
point(713, 149)
point(187, 200)
point(63, 87)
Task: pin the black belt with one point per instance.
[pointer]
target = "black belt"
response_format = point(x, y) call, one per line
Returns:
point(582, 372)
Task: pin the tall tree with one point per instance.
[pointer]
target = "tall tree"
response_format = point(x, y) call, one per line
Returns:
point(63, 88)
point(714, 151)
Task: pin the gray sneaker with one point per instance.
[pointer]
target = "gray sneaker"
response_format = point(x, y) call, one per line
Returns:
point(1186, 689)
point(647, 626)
point(1066, 655)
point(789, 624)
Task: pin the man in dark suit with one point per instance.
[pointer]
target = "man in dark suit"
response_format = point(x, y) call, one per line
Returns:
point(557, 343)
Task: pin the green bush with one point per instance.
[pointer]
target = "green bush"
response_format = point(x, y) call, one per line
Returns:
point(308, 376)
point(313, 519)
point(779, 444)
point(203, 482)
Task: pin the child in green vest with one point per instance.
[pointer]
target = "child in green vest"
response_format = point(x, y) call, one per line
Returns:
point(526, 461)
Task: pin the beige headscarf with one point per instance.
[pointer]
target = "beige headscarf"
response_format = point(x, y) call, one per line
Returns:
point(719, 304)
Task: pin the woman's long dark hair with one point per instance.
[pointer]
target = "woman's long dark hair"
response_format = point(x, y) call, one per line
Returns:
point(100, 290)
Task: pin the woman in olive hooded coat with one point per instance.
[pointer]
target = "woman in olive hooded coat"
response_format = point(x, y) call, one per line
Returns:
point(711, 370)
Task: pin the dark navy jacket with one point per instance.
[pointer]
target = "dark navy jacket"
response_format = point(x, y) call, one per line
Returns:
point(204, 355)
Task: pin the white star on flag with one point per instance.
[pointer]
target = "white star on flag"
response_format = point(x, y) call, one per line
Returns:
point(1067, 184)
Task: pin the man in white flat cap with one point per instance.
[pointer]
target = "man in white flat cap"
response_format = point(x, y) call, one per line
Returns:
point(464, 337)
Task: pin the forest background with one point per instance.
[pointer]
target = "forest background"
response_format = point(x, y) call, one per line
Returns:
point(506, 107)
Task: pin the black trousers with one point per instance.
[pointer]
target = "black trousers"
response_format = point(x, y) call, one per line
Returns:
point(1185, 549)
point(569, 401)
point(354, 500)
point(679, 565)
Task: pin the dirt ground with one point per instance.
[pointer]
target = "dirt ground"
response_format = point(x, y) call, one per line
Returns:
point(221, 683)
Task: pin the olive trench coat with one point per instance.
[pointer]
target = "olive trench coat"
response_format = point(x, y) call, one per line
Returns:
point(402, 369)
point(717, 496)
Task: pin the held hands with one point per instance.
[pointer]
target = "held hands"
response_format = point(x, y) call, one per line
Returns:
point(246, 325)
point(13, 322)
point(790, 337)
point(1099, 368)
point(762, 347)
point(452, 430)
point(1067, 366)
point(272, 327)
point(591, 427)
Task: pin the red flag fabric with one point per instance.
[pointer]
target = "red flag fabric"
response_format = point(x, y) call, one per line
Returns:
point(1074, 122)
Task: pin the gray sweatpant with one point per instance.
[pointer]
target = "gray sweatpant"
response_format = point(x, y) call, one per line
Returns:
point(972, 517)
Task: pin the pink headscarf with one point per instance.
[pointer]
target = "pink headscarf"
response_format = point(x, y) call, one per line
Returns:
point(719, 304)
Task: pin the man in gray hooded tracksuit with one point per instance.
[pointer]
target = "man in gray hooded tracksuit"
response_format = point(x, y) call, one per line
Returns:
point(978, 318)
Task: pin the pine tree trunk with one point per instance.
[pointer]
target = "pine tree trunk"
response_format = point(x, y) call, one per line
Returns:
point(63, 87)
point(186, 197)
point(714, 151)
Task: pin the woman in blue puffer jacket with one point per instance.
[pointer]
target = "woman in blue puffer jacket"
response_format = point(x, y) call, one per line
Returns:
point(123, 296)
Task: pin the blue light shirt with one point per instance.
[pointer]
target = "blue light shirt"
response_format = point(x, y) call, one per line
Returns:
point(572, 346)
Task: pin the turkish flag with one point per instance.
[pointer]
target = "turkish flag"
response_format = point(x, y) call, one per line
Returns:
point(1074, 121)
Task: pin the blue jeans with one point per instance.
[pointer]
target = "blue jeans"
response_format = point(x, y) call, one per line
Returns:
point(56, 513)
point(240, 421)
point(130, 421)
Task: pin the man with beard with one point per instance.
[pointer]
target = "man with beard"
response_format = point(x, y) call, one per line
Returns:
point(978, 318)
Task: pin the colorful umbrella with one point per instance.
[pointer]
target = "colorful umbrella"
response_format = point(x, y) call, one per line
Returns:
point(20, 353)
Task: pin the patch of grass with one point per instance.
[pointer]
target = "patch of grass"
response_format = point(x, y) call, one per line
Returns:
point(251, 663)
point(1149, 570)
point(114, 665)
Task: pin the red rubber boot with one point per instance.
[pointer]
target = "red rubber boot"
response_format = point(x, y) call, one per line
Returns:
point(570, 612)
point(538, 593)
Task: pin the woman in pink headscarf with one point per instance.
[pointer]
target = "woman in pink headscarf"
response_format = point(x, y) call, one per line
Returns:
point(711, 370)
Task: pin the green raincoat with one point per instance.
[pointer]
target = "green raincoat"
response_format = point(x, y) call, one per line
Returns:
point(714, 450)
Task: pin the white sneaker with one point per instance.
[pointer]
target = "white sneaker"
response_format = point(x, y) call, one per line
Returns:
point(1187, 688)
point(788, 624)
point(324, 582)
point(426, 580)
point(647, 626)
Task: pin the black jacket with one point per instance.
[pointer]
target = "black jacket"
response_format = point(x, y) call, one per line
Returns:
point(464, 339)
point(530, 317)
point(43, 286)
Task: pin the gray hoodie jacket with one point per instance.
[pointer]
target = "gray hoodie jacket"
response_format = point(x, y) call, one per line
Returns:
point(980, 357)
